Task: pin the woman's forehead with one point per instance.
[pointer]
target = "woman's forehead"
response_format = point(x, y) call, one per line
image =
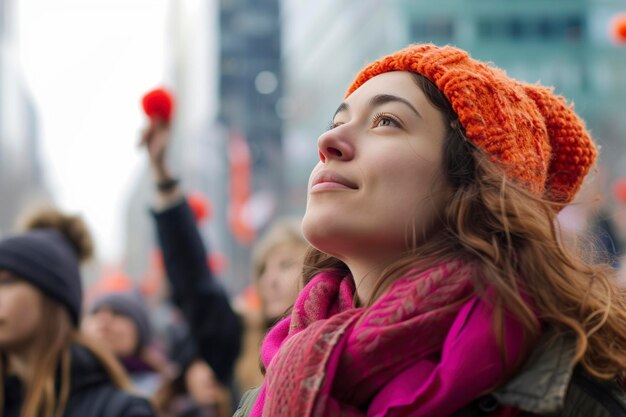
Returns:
point(394, 81)
point(399, 84)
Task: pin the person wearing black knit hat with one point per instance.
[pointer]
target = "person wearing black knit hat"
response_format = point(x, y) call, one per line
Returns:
point(47, 367)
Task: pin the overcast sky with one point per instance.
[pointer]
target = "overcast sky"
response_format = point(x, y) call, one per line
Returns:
point(87, 63)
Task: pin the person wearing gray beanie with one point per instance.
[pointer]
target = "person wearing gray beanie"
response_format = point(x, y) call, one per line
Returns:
point(131, 306)
point(120, 322)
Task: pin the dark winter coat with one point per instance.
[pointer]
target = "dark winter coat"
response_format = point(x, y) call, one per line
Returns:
point(91, 392)
point(214, 326)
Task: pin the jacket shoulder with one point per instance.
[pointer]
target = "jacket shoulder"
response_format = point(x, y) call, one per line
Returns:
point(124, 404)
point(247, 401)
point(589, 397)
point(108, 401)
point(549, 385)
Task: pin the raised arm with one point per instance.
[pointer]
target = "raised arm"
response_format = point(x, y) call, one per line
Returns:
point(215, 328)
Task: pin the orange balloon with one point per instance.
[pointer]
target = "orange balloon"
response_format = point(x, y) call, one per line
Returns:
point(240, 167)
point(251, 297)
point(218, 263)
point(113, 280)
point(618, 28)
point(201, 206)
point(619, 190)
point(116, 282)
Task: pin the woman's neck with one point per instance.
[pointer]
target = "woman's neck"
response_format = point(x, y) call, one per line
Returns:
point(366, 277)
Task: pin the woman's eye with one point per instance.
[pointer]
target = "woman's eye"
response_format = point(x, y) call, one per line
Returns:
point(332, 125)
point(383, 120)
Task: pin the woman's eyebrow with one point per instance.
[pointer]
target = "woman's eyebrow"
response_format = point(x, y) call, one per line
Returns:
point(381, 99)
point(342, 107)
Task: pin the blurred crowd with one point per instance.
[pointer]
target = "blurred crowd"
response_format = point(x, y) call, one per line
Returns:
point(199, 360)
point(115, 359)
point(70, 351)
point(596, 221)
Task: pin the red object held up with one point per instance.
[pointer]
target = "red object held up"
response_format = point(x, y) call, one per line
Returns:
point(158, 104)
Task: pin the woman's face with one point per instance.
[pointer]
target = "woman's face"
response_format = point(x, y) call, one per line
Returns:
point(20, 312)
point(278, 284)
point(115, 331)
point(380, 173)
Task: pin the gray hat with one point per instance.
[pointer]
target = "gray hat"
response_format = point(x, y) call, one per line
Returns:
point(129, 305)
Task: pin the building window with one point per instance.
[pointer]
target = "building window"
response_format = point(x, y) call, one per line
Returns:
point(532, 28)
point(433, 29)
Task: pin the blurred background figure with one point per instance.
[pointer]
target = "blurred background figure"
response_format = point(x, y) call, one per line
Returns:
point(120, 323)
point(47, 367)
point(214, 328)
point(193, 390)
point(277, 262)
point(278, 258)
point(590, 221)
point(618, 216)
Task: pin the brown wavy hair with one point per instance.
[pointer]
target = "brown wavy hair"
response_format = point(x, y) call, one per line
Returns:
point(513, 237)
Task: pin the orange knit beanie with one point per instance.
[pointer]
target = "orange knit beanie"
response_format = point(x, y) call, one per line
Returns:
point(533, 133)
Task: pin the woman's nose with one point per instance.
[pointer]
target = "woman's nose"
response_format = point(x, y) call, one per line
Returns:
point(336, 144)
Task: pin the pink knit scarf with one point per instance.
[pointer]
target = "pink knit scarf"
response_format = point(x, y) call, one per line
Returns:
point(331, 359)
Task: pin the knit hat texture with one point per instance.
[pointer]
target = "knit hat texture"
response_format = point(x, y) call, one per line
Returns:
point(532, 133)
point(130, 305)
point(46, 259)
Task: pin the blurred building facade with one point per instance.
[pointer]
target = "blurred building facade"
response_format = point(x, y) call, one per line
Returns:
point(225, 70)
point(563, 43)
point(325, 43)
point(197, 142)
point(250, 89)
point(21, 177)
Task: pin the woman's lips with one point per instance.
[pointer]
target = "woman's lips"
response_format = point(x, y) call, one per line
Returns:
point(330, 180)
